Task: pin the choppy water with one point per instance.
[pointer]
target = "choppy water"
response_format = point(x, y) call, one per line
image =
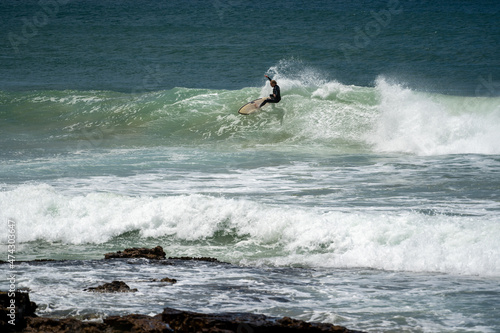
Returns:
point(368, 197)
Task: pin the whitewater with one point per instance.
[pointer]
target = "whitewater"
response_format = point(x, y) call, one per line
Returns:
point(386, 118)
point(343, 189)
point(334, 176)
point(368, 197)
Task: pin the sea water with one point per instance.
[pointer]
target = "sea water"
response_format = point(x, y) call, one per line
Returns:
point(368, 197)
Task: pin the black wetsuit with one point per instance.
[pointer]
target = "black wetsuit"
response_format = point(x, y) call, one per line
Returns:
point(272, 99)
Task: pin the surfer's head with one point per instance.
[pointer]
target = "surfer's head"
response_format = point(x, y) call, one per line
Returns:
point(273, 83)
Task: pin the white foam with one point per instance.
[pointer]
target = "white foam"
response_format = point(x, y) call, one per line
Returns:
point(407, 241)
point(426, 124)
point(332, 88)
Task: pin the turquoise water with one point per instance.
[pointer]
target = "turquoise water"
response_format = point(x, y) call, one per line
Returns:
point(368, 197)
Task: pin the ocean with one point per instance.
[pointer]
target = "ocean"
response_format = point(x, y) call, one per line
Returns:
point(369, 197)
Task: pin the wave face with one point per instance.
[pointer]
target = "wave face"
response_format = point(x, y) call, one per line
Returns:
point(314, 112)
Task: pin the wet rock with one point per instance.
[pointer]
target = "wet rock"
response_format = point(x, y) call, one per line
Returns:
point(303, 326)
point(137, 323)
point(208, 259)
point(30, 261)
point(169, 280)
point(15, 308)
point(170, 320)
point(187, 322)
point(135, 252)
point(65, 325)
point(113, 287)
point(130, 323)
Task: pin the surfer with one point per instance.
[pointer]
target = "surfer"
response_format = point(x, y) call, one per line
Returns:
point(275, 97)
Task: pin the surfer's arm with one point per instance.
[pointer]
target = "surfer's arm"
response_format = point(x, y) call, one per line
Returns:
point(272, 95)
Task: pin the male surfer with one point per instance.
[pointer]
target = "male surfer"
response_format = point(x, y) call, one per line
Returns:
point(275, 97)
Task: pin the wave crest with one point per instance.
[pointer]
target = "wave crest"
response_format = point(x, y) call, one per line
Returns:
point(314, 112)
point(249, 232)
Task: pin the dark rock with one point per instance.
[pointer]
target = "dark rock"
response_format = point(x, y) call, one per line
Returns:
point(155, 253)
point(113, 287)
point(137, 323)
point(131, 323)
point(30, 261)
point(15, 308)
point(169, 280)
point(66, 325)
point(172, 320)
point(188, 322)
point(208, 259)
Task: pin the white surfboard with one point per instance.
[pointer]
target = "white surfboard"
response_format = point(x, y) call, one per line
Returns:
point(252, 106)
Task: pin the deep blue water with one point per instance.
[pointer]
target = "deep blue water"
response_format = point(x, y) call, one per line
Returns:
point(442, 46)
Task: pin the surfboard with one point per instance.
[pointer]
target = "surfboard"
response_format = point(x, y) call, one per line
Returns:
point(252, 106)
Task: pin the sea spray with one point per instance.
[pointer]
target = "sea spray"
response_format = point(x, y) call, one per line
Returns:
point(432, 124)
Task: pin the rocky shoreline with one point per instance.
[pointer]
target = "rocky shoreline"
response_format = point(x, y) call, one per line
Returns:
point(24, 319)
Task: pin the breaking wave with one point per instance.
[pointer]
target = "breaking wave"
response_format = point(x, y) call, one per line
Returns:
point(313, 113)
